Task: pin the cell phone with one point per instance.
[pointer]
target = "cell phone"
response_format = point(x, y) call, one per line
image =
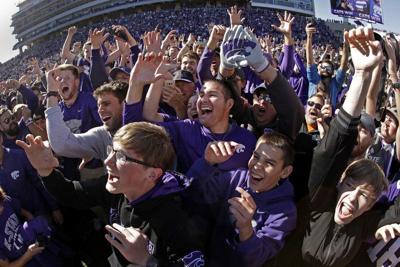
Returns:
point(311, 21)
point(169, 83)
point(396, 86)
point(120, 34)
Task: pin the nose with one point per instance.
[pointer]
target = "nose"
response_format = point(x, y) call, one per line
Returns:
point(110, 160)
point(354, 195)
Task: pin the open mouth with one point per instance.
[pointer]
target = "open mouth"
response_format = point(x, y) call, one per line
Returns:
point(106, 118)
point(112, 178)
point(205, 110)
point(195, 115)
point(345, 210)
point(64, 89)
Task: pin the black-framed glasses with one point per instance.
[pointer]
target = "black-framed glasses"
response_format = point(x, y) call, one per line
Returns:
point(328, 68)
point(314, 104)
point(121, 157)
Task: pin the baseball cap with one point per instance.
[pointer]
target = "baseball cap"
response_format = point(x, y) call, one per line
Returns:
point(393, 111)
point(367, 122)
point(115, 71)
point(183, 75)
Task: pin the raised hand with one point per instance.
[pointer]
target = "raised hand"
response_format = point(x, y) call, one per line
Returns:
point(152, 42)
point(169, 39)
point(286, 24)
point(310, 29)
point(72, 30)
point(144, 71)
point(130, 242)
point(39, 154)
point(96, 37)
point(243, 209)
point(217, 34)
point(366, 53)
point(388, 232)
point(53, 83)
point(235, 16)
point(241, 48)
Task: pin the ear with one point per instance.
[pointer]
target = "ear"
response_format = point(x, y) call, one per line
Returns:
point(230, 103)
point(286, 172)
point(154, 174)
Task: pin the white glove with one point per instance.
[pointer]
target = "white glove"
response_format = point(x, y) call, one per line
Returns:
point(240, 48)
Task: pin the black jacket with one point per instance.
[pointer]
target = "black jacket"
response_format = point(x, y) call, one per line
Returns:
point(326, 243)
point(171, 232)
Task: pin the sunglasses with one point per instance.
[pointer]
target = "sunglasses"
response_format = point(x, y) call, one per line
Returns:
point(328, 68)
point(121, 157)
point(9, 119)
point(313, 104)
point(264, 97)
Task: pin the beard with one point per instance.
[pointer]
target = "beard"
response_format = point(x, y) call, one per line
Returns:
point(13, 130)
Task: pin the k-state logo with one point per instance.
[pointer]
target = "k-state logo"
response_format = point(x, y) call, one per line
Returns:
point(15, 175)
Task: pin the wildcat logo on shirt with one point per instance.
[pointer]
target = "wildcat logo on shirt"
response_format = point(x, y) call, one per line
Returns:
point(13, 239)
point(15, 175)
point(240, 148)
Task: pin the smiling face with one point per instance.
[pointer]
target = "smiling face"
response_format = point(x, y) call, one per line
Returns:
point(355, 198)
point(125, 177)
point(263, 110)
point(189, 64)
point(213, 107)
point(110, 111)
point(266, 167)
point(69, 86)
point(313, 109)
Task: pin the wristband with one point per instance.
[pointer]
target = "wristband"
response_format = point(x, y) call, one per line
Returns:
point(52, 93)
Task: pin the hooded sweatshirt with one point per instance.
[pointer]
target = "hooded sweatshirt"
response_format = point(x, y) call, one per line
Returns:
point(273, 220)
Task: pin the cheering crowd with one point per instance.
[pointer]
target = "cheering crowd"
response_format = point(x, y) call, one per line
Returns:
point(223, 144)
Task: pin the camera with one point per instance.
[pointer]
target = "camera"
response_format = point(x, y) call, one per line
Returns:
point(120, 34)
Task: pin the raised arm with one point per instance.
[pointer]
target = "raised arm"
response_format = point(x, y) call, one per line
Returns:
point(66, 54)
point(98, 74)
point(336, 147)
point(310, 31)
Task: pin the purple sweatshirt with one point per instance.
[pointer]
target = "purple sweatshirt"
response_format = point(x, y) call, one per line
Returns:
point(299, 80)
point(20, 180)
point(273, 220)
point(190, 139)
point(17, 236)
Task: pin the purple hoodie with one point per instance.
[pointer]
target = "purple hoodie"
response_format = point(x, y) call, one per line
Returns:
point(299, 80)
point(190, 139)
point(273, 220)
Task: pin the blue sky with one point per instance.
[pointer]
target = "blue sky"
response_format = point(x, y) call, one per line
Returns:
point(391, 9)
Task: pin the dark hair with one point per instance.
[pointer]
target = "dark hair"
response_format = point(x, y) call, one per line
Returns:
point(230, 92)
point(280, 141)
point(117, 88)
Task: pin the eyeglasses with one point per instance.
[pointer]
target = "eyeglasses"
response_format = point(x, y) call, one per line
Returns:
point(9, 119)
point(264, 97)
point(313, 104)
point(121, 157)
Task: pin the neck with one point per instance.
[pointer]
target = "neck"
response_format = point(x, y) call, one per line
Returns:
point(221, 127)
point(72, 100)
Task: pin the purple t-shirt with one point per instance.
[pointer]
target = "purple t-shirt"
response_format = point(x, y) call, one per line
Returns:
point(190, 139)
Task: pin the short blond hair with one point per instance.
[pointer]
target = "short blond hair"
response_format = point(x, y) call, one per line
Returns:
point(149, 141)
